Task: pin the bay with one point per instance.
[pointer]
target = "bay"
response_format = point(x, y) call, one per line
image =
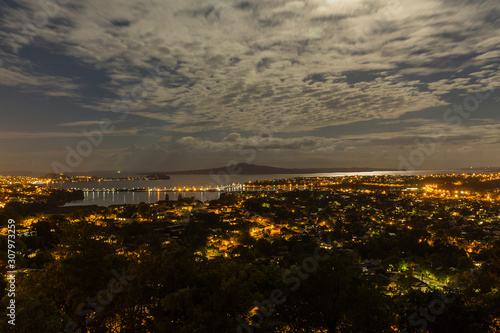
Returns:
point(158, 188)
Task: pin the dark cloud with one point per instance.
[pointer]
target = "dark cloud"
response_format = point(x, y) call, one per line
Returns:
point(243, 5)
point(121, 23)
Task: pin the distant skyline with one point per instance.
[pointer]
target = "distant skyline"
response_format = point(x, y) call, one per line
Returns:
point(182, 85)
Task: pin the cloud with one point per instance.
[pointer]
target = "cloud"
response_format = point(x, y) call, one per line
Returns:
point(414, 133)
point(240, 66)
point(39, 135)
point(42, 135)
point(18, 72)
point(81, 123)
point(236, 142)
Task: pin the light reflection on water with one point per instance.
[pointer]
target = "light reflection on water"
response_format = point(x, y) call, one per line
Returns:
point(179, 181)
point(120, 197)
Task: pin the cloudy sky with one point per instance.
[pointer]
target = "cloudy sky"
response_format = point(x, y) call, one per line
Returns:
point(186, 84)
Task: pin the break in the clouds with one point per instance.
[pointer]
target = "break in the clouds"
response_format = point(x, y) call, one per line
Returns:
point(197, 71)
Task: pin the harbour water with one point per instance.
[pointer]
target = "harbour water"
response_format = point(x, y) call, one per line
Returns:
point(110, 198)
point(111, 194)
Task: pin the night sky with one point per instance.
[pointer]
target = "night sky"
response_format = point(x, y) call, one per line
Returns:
point(184, 84)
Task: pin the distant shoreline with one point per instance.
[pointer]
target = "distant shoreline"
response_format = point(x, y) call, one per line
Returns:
point(242, 169)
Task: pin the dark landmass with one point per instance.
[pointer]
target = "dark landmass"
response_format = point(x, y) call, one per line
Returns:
point(56, 198)
point(252, 169)
point(157, 176)
point(482, 169)
point(82, 178)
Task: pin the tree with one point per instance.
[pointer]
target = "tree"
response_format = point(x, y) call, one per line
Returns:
point(246, 239)
point(264, 247)
point(33, 314)
point(143, 210)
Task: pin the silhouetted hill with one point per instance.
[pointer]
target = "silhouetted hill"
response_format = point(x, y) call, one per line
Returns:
point(252, 169)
